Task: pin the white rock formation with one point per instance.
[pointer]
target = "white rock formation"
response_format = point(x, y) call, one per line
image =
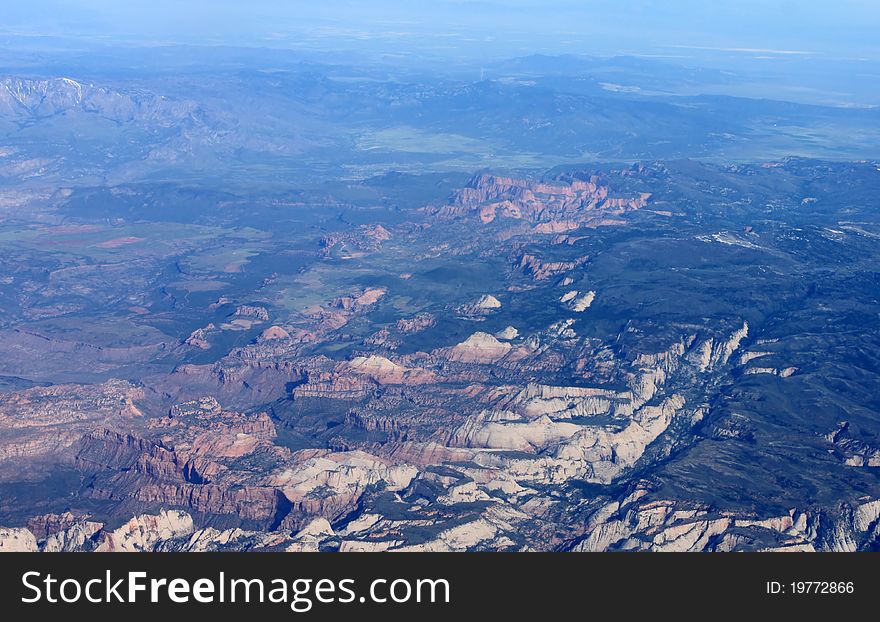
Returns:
point(536, 400)
point(468, 492)
point(341, 473)
point(488, 301)
point(507, 430)
point(17, 540)
point(370, 546)
point(672, 528)
point(507, 334)
point(581, 303)
point(867, 516)
point(712, 354)
point(782, 373)
point(458, 538)
point(311, 536)
point(750, 356)
point(479, 348)
point(385, 371)
point(483, 306)
point(606, 454)
point(210, 539)
point(141, 533)
point(74, 538)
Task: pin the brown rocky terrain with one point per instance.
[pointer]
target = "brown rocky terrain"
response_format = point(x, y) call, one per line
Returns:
point(366, 238)
point(554, 207)
point(45, 421)
point(472, 382)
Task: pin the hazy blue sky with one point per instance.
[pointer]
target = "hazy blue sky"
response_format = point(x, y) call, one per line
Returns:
point(843, 28)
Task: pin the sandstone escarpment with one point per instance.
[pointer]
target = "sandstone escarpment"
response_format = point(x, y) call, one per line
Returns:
point(191, 459)
point(540, 270)
point(365, 238)
point(48, 420)
point(559, 205)
point(385, 371)
point(479, 348)
point(484, 305)
point(17, 540)
point(247, 377)
point(668, 526)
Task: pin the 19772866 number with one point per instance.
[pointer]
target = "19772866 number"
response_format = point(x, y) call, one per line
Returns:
point(822, 587)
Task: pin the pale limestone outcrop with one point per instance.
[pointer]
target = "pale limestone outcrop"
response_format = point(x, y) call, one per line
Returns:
point(666, 526)
point(536, 400)
point(17, 540)
point(487, 301)
point(751, 356)
point(580, 302)
point(507, 334)
point(143, 532)
point(341, 474)
point(368, 546)
point(561, 329)
point(467, 492)
point(309, 538)
point(593, 453)
point(210, 539)
point(713, 353)
point(785, 372)
point(479, 348)
point(273, 333)
point(458, 538)
point(478, 309)
point(506, 430)
point(867, 516)
point(690, 536)
point(361, 523)
point(606, 454)
point(74, 538)
point(385, 371)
